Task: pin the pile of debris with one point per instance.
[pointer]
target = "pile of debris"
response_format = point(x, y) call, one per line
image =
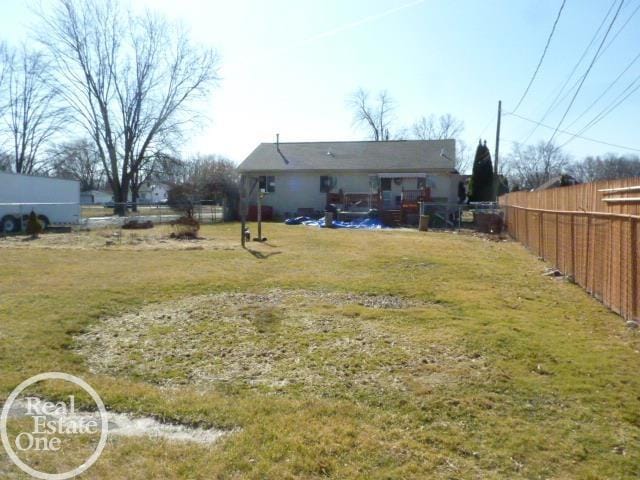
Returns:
point(137, 225)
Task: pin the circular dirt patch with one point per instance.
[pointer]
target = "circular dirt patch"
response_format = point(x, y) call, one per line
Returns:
point(278, 340)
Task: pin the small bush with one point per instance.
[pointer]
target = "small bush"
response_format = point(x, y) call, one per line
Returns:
point(185, 228)
point(34, 227)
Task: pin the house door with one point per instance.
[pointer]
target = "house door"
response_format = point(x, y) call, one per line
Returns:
point(386, 194)
point(388, 202)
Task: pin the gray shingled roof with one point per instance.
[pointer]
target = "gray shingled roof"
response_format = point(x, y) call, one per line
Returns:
point(395, 156)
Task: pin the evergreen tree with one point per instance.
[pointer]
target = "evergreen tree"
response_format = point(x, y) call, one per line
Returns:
point(503, 185)
point(462, 192)
point(482, 175)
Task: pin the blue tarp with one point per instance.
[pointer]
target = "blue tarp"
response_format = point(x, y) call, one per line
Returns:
point(365, 223)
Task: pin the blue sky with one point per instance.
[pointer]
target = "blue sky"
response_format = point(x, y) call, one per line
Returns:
point(288, 66)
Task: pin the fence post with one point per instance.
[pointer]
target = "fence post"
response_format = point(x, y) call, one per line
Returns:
point(634, 268)
point(526, 227)
point(541, 235)
point(573, 251)
point(557, 248)
point(587, 252)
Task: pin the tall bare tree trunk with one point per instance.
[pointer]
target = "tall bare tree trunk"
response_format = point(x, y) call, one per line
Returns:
point(130, 79)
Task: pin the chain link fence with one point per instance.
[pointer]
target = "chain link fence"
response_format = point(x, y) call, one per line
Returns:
point(61, 216)
point(96, 216)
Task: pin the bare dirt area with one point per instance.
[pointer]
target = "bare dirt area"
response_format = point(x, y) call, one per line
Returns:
point(156, 238)
point(320, 342)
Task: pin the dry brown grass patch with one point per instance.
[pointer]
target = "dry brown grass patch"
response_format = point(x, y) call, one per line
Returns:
point(320, 342)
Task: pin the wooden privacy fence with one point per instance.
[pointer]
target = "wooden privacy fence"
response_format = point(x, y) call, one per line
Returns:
point(589, 232)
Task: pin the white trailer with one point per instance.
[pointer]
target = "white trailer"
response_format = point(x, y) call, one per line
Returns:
point(55, 201)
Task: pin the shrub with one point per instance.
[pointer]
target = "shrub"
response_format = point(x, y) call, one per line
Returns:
point(34, 227)
point(185, 228)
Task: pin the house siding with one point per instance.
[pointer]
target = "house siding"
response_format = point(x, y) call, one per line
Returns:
point(295, 190)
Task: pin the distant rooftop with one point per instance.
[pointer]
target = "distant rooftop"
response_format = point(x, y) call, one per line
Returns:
point(392, 156)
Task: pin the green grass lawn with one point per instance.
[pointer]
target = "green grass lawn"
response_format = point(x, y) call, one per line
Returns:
point(334, 353)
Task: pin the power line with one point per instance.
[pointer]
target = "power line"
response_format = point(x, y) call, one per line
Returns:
point(544, 53)
point(573, 134)
point(486, 126)
point(606, 47)
point(606, 90)
point(555, 102)
point(631, 89)
point(586, 74)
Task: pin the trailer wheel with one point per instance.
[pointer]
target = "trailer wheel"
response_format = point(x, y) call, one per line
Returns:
point(44, 221)
point(9, 224)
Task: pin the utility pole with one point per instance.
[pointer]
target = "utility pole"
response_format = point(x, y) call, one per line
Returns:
point(496, 179)
point(243, 208)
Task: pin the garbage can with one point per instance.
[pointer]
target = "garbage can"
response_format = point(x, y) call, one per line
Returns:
point(423, 224)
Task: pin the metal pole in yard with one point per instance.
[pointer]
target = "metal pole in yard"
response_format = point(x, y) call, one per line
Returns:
point(243, 208)
point(259, 214)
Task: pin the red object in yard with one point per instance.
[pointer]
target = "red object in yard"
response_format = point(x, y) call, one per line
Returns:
point(267, 213)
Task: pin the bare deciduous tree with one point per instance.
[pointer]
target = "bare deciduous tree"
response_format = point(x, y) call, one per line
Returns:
point(209, 177)
point(5, 162)
point(444, 127)
point(437, 128)
point(609, 167)
point(132, 81)
point(376, 116)
point(32, 115)
point(79, 160)
point(530, 166)
point(463, 160)
point(156, 166)
point(4, 66)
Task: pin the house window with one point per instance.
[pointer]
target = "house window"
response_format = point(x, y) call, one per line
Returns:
point(327, 183)
point(385, 184)
point(267, 184)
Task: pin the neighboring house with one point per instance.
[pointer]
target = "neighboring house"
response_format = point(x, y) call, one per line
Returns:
point(302, 178)
point(152, 193)
point(91, 197)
